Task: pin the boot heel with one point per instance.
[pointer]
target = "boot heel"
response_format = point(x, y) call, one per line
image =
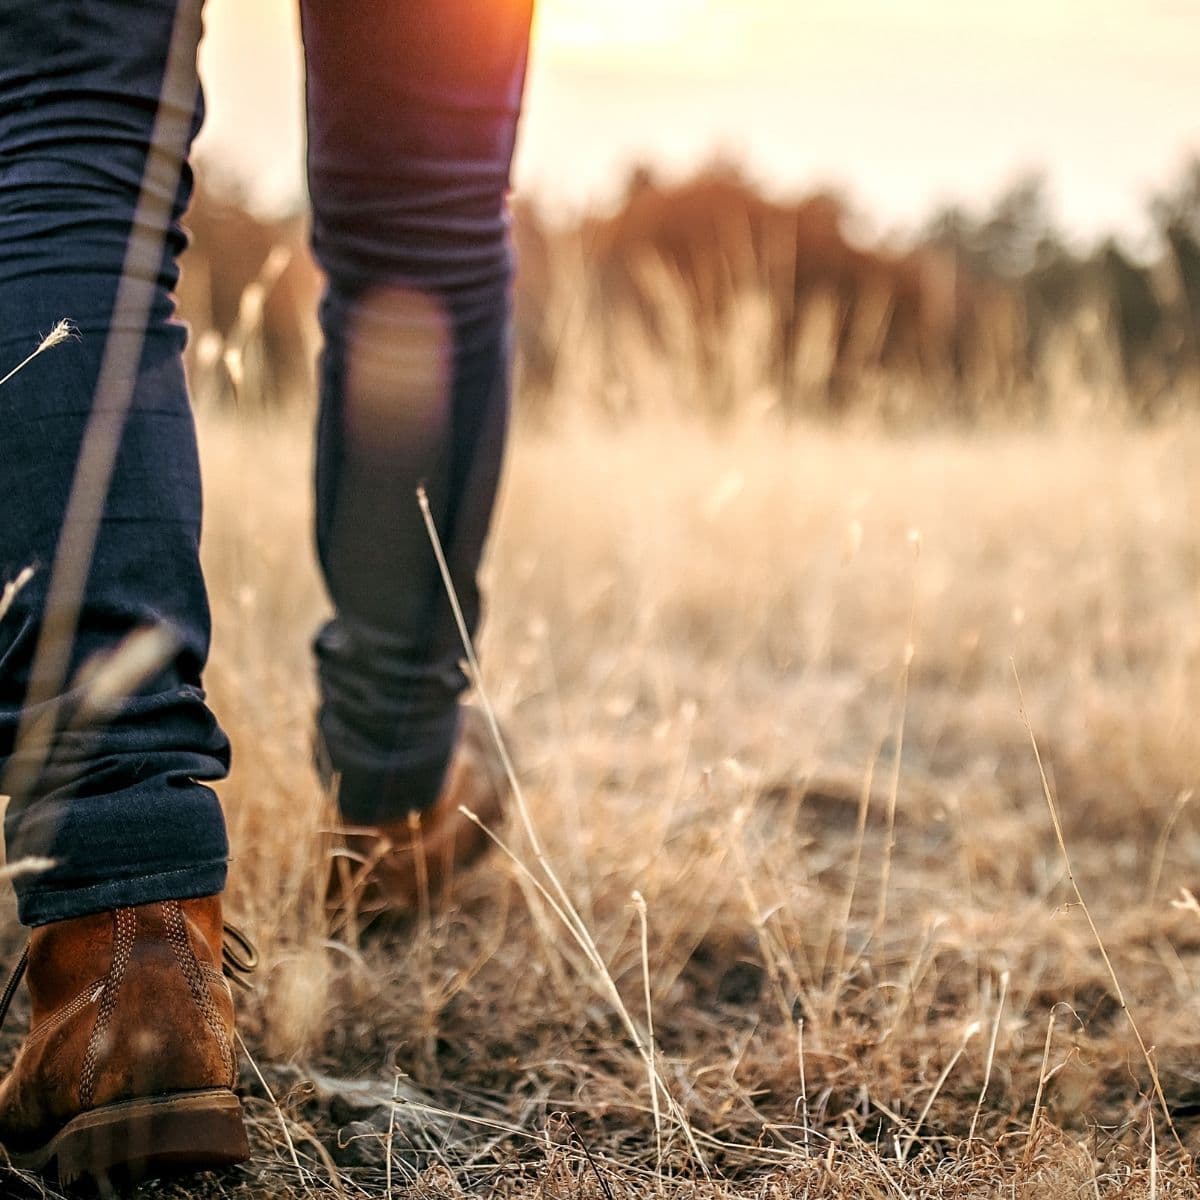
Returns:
point(140, 1139)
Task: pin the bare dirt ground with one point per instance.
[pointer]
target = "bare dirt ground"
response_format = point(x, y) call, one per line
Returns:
point(760, 685)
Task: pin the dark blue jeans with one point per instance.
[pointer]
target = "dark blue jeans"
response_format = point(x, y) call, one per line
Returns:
point(412, 111)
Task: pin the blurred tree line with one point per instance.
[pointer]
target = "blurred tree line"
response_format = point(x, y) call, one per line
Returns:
point(711, 291)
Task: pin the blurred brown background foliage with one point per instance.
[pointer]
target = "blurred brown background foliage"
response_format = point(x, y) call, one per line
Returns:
point(742, 299)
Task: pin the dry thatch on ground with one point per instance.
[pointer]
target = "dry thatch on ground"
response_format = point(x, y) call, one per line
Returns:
point(762, 680)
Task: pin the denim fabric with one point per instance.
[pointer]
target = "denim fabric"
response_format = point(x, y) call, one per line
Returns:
point(412, 113)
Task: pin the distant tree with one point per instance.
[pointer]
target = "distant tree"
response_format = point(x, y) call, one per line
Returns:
point(1019, 229)
point(1180, 205)
point(1177, 216)
point(1013, 237)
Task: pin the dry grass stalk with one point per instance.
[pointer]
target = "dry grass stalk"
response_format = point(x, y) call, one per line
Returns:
point(1108, 966)
point(1160, 850)
point(914, 539)
point(25, 866)
point(61, 332)
point(1153, 1157)
point(991, 1058)
point(564, 908)
point(639, 902)
point(13, 588)
point(803, 1081)
point(968, 1034)
point(1043, 1078)
point(106, 683)
point(301, 1174)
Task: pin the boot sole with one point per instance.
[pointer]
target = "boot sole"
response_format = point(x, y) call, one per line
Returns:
point(141, 1139)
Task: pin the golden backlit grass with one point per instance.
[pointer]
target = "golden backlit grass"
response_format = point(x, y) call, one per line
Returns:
point(864, 977)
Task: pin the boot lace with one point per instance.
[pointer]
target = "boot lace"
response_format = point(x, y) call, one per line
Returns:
point(239, 960)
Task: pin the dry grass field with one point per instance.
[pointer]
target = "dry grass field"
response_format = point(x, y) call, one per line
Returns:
point(789, 907)
point(760, 686)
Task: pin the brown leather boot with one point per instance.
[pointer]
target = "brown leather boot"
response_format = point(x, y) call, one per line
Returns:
point(129, 1065)
point(392, 868)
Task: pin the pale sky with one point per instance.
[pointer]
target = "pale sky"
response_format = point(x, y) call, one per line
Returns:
point(905, 103)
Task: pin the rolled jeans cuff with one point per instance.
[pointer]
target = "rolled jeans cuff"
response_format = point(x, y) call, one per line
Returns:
point(379, 789)
point(182, 883)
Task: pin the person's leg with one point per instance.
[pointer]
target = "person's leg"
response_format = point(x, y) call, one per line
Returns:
point(130, 1066)
point(117, 806)
point(412, 111)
